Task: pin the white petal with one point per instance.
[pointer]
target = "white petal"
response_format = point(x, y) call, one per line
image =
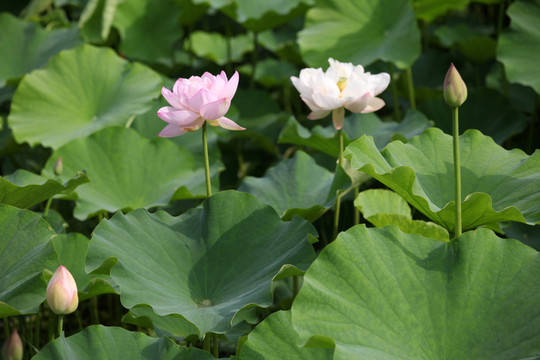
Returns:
point(374, 104)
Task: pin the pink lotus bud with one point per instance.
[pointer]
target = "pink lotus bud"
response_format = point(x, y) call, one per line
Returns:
point(455, 90)
point(58, 167)
point(13, 347)
point(62, 292)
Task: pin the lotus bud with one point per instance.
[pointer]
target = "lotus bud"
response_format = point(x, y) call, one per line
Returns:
point(62, 292)
point(58, 167)
point(13, 347)
point(455, 90)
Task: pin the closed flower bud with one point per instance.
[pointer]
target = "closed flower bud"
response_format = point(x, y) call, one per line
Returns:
point(62, 292)
point(58, 167)
point(13, 348)
point(455, 90)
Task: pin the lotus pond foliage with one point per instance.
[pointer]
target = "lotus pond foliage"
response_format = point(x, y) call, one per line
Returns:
point(368, 187)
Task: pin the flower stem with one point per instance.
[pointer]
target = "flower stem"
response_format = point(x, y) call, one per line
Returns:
point(410, 86)
point(206, 162)
point(206, 342)
point(47, 207)
point(338, 196)
point(340, 159)
point(215, 345)
point(457, 169)
point(60, 325)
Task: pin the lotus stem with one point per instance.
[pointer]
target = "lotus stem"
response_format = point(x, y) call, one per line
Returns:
point(393, 87)
point(410, 86)
point(47, 207)
point(215, 345)
point(206, 342)
point(340, 159)
point(457, 169)
point(206, 162)
point(60, 325)
point(338, 196)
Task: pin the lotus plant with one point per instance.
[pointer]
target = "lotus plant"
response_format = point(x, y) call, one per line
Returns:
point(194, 103)
point(62, 295)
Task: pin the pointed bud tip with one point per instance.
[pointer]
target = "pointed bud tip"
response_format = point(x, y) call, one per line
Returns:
point(454, 88)
point(13, 348)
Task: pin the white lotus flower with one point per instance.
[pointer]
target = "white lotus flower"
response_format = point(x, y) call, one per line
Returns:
point(342, 86)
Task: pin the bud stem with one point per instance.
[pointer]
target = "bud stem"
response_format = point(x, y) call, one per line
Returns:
point(410, 86)
point(206, 162)
point(60, 325)
point(457, 170)
point(338, 196)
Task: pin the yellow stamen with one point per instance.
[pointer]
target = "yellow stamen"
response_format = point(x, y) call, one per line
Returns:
point(342, 83)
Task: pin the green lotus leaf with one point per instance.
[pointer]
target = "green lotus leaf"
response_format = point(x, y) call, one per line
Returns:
point(72, 249)
point(221, 269)
point(79, 92)
point(24, 46)
point(26, 253)
point(24, 189)
point(128, 171)
point(169, 326)
point(485, 109)
point(275, 339)
point(260, 15)
point(384, 207)
point(360, 32)
point(215, 47)
point(96, 19)
point(518, 44)
point(429, 10)
point(497, 185)
point(378, 293)
point(325, 139)
point(148, 32)
point(271, 72)
point(296, 186)
point(112, 343)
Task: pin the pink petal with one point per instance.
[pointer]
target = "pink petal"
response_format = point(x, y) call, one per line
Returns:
point(199, 99)
point(171, 131)
point(177, 117)
point(337, 117)
point(230, 88)
point(374, 104)
point(318, 114)
point(171, 98)
point(217, 86)
point(215, 109)
point(196, 125)
point(228, 124)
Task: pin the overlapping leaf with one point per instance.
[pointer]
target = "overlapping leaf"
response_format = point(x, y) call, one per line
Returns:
point(24, 189)
point(128, 171)
point(360, 32)
point(204, 265)
point(26, 254)
point(296, 187)
point(381, 294)
point(111, 343)
point(497, 185)
point(78, 93)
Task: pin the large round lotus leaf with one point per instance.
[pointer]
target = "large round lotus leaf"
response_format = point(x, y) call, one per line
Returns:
point(112, 343)
point(429, 10)
point(297, 186)
point(148, 31)
point(26, 251)
point(128, 171)
point(219, 49)
point(325, 139)
point(360, 32)
point(24, 189)
point(276, 339)
point(72, 249)
point(381, 294)
point(383, 207)
point(24, 46)
point(204, 265)
point(497, 185)
point(519, 46)
point(78, 93)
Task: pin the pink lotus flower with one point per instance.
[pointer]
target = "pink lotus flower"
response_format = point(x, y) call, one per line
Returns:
point(62, 294)
point(196, 100)
point(342, 86)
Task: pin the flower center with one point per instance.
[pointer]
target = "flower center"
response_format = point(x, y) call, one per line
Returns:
point(342, 83)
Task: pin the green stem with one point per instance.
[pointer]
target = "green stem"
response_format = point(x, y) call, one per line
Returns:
point(206, 342)
point(206, 162)
point(130, 122)
point(340, 159)
point(410, 86)
point(457, 170)
point(393, 87)
point(336, 215)
point(356, 211)
point(60, 325)
point(47, 207)
point(215, 345)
